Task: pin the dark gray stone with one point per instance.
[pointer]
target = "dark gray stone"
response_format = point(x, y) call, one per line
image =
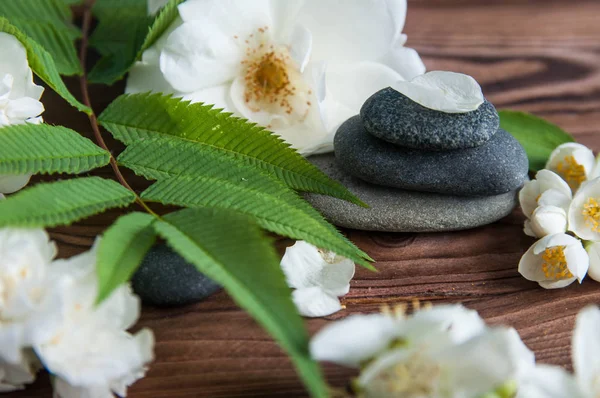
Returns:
point(497, 167)
point(393, 117)
point(397, 210)
point(166, 279)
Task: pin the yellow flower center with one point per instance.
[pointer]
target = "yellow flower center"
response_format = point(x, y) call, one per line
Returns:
point(591, 214)
point(273, 82)
point(572, 172)
point(555, 263)
point(416, 377)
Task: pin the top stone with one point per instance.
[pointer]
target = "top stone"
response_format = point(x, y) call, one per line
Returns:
point(395, 118)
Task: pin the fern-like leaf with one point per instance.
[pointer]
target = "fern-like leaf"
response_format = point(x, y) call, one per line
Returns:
point(122, 250)
point(42, 64)
point(228, 248)
point(48, 22)
point(125, 31)
point(139, 116)
point(62, 202)
point(42, 148)
point(194, 176)
point(122, 29)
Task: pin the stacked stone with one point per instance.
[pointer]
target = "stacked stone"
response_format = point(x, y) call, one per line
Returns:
point(421, 169)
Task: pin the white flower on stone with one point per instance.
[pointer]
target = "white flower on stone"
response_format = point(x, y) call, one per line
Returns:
point(575, 163)
point(547, 189)
point(91, 353)
point(555, 261)
point(584, 212)
point(298, 68)
point(443, 91)
point(318, 276)
point(446, 351)
point(554, 382)
point(19, 98)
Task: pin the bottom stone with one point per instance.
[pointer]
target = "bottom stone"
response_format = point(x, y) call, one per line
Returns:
point(166, 279)
point(397, 210)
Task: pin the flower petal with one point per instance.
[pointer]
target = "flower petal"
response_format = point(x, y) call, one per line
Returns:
point(546, 381)
point(354, 339)
point(567, 158)
point(217, 96)
point(550, 180)
point(233, 17)
point(352, 84)
point(315, 302)
point(578, 260)
point(406, 61)
point(582, 219)
point(486, 362)
point(302, 265)
point(557, 284)
point(528, 197)
point(13, 183)
point(586, 350)
point(19, 110)
point(548, 220)
point(199, 54)
point(593, 249)
point(530, 266)
point(300, 46)
point(352, 30)
point(14, 62)
point(335, 278)
point(443, 91)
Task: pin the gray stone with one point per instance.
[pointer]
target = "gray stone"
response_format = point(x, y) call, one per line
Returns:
point(166, 279)
point(395, 118)
point(497, 167)
point(397, 210)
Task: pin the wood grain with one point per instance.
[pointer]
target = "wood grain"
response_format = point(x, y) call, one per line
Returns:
point(540, 56)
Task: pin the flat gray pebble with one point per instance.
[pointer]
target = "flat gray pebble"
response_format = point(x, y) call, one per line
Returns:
point(499, 166)
point(396, 210)
point(393, 117)
point(166, 279)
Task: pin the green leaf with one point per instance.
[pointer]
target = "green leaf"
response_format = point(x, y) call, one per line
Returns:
point(231, 250)
point(195, 176)
point(42, 64)
point(48, 22)
point(162, 22)
point(133, 117)
point(122, 29)
point(42, 148)
point(62, 202)
point(538, 136)
point(122, 249)
point(125, 31)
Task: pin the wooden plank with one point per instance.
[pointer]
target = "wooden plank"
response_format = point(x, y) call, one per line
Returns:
point(539, 56)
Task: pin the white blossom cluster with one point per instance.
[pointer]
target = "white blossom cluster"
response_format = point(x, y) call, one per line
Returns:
point(562, 206)
point(448, 351)
point(49, 319)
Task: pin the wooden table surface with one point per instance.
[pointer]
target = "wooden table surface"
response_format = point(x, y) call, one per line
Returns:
point(538, 56)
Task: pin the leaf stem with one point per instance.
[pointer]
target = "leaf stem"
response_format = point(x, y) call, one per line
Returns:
point(83, 82)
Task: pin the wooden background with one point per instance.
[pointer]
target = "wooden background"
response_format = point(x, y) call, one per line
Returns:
point(539, 56)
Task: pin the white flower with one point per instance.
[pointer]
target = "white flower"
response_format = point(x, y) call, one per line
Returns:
point(573, 162)
point(91, 353)
point(443, 91)
point(318, 276)
point(299, 68)
point(555, 261)
point(546, 220)
point(19, 98)
point(446, 351)
point(24, 259)
point(548, 189)
point(555, 382)
point(584, 211)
